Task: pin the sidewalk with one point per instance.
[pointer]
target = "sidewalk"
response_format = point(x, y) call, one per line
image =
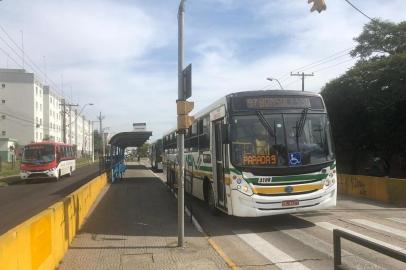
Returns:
point(134, 226)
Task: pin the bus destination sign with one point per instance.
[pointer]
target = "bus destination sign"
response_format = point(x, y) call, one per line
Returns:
point(250, 159)
point(277, 102)
point(267, 102)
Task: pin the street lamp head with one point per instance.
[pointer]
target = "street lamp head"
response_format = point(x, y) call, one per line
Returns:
point(90, 104)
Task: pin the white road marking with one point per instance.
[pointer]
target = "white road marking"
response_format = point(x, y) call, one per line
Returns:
point(326, 248)
point(380, 227)
point(272, 253)
point(399, 220)
point(331, 227)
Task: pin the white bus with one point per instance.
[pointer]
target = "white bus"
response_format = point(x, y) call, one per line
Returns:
point(155, 154)
point(258, 153)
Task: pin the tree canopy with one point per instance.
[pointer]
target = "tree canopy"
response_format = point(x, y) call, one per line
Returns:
point(367, 105)
point(380, 37)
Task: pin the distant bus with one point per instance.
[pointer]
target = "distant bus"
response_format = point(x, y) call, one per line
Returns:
point(47, 160)
point(155, 154)
point(258, 153)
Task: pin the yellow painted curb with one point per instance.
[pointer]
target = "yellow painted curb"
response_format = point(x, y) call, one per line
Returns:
point(41, 241)
point(222, 254)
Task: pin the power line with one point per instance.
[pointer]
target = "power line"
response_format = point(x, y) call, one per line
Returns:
point(32, 65)
point(357, 9)
point(319, 62)
point(340, 63)
point(15, 61)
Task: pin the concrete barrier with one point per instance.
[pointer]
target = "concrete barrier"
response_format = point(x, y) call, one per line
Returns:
point(382, 189)
point(41, 241)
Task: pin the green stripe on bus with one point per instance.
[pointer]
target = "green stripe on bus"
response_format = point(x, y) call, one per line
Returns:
point(293, 178)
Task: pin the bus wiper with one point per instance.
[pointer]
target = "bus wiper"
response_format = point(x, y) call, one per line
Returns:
point(300, 124)
point(265, 123)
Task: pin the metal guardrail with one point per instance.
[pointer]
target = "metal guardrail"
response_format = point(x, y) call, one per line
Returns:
point(337, 234)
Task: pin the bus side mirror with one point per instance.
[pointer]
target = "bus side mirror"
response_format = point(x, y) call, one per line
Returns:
point(225, 133)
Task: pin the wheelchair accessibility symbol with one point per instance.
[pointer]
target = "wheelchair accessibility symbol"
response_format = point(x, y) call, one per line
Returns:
point(295, 159)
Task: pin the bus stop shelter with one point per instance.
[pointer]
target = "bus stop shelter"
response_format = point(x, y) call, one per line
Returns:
point(118, 143)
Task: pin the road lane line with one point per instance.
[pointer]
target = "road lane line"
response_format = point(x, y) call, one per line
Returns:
point(380, 227)
point(399, 220)
point(269, 251)
point(330, 227)
point(326, 248)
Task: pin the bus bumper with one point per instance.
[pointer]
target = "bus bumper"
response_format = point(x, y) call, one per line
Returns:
point(43, 174)
point(258, 205)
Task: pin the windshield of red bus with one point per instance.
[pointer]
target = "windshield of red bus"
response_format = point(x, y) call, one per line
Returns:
point(43, 153)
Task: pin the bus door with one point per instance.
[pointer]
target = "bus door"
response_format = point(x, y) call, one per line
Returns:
point(218, 163)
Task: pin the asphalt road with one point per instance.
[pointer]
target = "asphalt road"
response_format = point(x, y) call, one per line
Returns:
point(305, 241)
point(21, 201)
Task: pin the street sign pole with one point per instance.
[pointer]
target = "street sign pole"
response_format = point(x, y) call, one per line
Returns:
point(181, 133)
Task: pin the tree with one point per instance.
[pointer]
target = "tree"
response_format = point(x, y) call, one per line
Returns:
point(97, 141)
point(143, 150)
point(367, 104)
point(380, 38)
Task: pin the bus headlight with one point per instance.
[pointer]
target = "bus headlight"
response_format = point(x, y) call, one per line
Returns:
point(244, 187)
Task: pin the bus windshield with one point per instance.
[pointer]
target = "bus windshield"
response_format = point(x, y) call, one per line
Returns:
point(37, 154)
point(297, 139)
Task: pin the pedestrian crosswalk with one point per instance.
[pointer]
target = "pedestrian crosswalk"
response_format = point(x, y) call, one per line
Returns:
point(399, 220)
point(380, 227)
point(275, 255)
point(317, 237)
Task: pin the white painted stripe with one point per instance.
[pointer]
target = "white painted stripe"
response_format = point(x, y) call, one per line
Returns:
point(331, 227)
point(399, 220)
point(380, 227)
point(278, 257)
point(326, 248)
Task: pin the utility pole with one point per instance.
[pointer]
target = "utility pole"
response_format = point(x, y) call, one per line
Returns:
point(101, 133)
point(183, 108)
point(64, 105)
point(181, 133)
point(303, 75)
point(63, 120)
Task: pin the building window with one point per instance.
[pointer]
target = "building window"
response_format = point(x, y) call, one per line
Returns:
point(3, 85)
point(3, 101)
point(3, 133)
point(3, 117)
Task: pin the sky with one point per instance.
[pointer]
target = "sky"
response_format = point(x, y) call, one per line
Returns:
point(121, 55)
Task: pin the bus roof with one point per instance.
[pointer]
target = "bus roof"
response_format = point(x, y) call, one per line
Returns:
point(223, 100)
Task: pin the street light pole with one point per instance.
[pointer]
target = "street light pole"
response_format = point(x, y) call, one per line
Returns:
point(273, 79)
point(181, 132)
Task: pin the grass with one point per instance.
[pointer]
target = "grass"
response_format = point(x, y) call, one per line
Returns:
point(7, 169)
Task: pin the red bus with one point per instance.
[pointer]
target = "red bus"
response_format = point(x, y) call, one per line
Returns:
point(47, 160)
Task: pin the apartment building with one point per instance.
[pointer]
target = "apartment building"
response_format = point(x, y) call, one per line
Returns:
point(52, 115)
point(32, 112)
point(21, 106)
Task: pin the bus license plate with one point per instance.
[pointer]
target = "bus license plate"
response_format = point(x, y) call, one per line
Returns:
point(290, 203)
